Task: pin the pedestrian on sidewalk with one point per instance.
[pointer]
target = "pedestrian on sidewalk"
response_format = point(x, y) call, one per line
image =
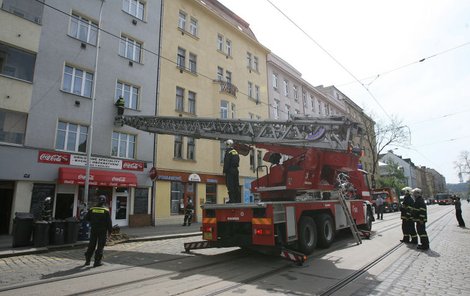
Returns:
point(458, 212)
point(188, 212)
point(407, 223)
point(379, 202)
point(101, 228)
point(420, 217)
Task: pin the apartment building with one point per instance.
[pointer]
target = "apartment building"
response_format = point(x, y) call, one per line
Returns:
point(61, 79)
point(211, 66)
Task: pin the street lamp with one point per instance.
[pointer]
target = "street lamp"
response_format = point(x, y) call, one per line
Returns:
point(93, 96)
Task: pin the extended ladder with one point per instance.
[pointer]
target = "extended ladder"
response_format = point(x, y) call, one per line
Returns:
point(344, 186)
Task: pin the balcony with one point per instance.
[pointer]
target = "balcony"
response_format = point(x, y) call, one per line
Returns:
point(227, 87)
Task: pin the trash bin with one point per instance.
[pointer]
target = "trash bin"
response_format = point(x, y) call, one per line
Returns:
point(22, 229)
point(71, 230)
point(57, 232)
point(41, 233)
point(84, 231)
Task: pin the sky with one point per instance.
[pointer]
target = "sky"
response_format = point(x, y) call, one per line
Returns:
point(371, 51)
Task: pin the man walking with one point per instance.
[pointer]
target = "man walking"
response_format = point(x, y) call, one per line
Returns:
point(231, 163)
point(420, 217)
point(101, 226)
point(407, 223)
point(458, 212)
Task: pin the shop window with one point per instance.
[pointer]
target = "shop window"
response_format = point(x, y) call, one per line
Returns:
point(176, 196)
point(141, 198)
point(39, 194)
point(211, 193)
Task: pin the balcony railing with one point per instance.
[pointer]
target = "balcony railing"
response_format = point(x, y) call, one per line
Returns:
point(227, 87)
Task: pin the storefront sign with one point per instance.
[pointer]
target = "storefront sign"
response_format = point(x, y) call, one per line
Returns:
point(194, 178)
point(96, 162)
point(211, 180)
point(170, 178)
point(97, 177)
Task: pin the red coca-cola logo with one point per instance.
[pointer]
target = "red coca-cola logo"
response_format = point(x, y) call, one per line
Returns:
point(53, 157)
point(118, 179)
point(132, 165)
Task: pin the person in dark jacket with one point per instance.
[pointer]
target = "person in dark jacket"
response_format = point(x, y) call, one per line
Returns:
point(420, 217)
point(407, 224)
point(231, 163)
point(101, 227)
point(120, 103)
point(188, 213)
point(458, 212)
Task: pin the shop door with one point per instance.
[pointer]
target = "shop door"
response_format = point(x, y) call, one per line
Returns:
point(190, 193)
point(6, 200)
point(119, 209)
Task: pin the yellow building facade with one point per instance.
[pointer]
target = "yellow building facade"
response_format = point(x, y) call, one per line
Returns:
point(211, 66)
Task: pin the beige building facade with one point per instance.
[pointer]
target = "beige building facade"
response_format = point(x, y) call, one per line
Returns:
point(211, 66)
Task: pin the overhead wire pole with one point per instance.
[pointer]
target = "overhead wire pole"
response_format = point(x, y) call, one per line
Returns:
point(90, 138)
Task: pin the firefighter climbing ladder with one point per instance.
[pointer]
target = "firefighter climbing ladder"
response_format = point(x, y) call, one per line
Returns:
point(344, 185)
point(324, 132)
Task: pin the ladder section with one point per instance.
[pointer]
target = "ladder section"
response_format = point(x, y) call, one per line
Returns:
point(344, 186)
point(322, 132)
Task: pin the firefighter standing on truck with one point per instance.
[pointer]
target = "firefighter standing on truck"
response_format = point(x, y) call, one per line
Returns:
point(407, 222)
point(101, 227)
point(231, 163)
point(420, 217)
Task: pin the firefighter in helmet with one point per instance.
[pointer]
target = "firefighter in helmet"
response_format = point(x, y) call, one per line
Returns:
point(101, 227)
point(420, 218)
point(120, 104)
point(231, 163)
point(407, 222)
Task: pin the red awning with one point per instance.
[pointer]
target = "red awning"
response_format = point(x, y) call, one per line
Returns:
point(97, 177)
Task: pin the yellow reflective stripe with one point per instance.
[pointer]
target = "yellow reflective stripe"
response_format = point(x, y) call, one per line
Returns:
point(98, 211)
point(261, 221)
point(209, 220)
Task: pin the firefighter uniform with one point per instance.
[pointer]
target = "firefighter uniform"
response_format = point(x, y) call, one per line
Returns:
point(408, 225)
point(101, 226)
point(231, 163)
point(120, 103)
point(420, 217)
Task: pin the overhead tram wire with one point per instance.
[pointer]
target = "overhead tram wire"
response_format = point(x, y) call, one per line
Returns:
point(332, 57)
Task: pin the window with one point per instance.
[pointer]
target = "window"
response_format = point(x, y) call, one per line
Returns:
point(192, 63)
point(257, 93)
point(252, 160)
point(312, 102)
point(276, 108)
point(191, 149)
point(12, 127)
point(130, 49)
point(248, 60)
point(30, 10)
point(193, 27)
point(228, 76)
point(296, 93)
point(181, 58)
point(220, 42)
point(228, 45)
point(286, 88)
point(16, 63)
point(192, 102)
point(129, 92)
point(224, 109)
point(134, 7)
point(259, 158)
point(176, 197)
point(250, 89)
point(182, 21)
point(77, 81)
point(123, 145)
point(71, 137)
point(211, 193)
point(288, 111)
point(178, 147)
point(255, 63)
point(83, 29)
point(275, 85)
point(233, 110)
point(220, 73)
point(179, 99)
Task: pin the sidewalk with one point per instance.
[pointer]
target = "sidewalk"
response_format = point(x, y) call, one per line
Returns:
point(134, 234)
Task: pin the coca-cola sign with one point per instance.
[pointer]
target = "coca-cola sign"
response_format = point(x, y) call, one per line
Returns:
point(132, 165)
point(53, 157)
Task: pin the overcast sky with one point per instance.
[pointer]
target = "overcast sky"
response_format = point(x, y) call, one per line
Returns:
point(373, 37)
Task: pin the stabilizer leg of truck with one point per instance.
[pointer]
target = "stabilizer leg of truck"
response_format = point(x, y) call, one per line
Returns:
point(197, 245)
point(293, 256)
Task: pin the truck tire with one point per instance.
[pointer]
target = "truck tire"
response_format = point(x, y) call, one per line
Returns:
point(368, 225)
point(307, 235)
point(325, 230)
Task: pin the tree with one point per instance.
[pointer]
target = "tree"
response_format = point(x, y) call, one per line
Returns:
point(463, 164)
point(379, 135)
point(393, 177)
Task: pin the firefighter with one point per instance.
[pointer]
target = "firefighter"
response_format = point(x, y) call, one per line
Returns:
point(420, 217)
point(46, 210)
point(407, 224)
point(101, 227)
point(188, 212)
point(231, 163)
point(120, 106)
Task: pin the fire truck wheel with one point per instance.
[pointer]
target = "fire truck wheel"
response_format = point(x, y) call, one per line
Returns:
point(307, 235)
point(325, 230)
point(368, 225)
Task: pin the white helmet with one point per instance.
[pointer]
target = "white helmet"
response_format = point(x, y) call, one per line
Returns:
point(407, 190)
point(416, 191)
point(229, 143)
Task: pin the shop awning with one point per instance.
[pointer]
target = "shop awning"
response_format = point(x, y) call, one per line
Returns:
point(97, 177)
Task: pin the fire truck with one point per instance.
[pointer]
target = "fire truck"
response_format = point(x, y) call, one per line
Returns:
point(311, 189)
point(389, 196)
